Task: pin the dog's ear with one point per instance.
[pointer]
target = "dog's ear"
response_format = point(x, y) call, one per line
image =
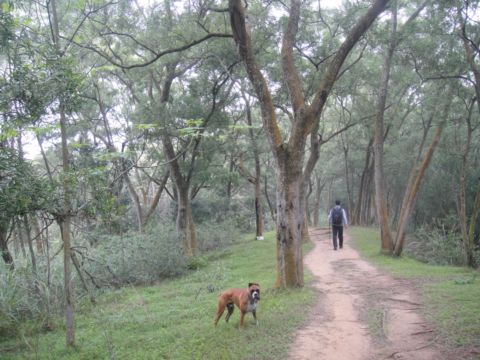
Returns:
point(250, 284)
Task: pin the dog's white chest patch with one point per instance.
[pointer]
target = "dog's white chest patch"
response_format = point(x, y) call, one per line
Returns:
point(251, 306)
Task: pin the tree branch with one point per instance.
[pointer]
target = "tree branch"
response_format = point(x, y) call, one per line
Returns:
point(331, 73)
point(242, 38)
point(157, 55)
point(290, 73)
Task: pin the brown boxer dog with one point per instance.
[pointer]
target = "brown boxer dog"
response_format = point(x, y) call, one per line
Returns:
point(245, 299)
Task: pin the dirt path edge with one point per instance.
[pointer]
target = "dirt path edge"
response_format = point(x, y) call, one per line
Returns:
point(361, 312)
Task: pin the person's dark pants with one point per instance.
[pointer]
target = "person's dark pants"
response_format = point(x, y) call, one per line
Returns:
point(337, 231)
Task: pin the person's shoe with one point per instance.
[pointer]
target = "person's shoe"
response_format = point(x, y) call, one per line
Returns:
point(335, 249)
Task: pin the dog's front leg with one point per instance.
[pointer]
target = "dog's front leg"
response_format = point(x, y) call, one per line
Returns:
point(254, 313)
point(242, 316)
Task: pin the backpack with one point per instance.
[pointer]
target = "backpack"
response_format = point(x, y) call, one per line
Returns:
point(337, 216)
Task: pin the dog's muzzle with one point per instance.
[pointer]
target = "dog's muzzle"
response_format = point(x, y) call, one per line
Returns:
point(256, 295)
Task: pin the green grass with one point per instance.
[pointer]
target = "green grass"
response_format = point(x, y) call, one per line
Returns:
point(451, 294)
point(174, 320)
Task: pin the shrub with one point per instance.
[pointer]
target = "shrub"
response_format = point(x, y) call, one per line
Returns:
point(25, 296)
point(11, 301)
point(216, 236)
point(436, 246)
point(135, 258)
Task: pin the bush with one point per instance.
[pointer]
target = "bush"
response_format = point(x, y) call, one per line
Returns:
point(238, 212)
point(25, 296)
point(436, 246)
point(217, 236)
point(11, 301)
point(135, 258)
point(140, 259)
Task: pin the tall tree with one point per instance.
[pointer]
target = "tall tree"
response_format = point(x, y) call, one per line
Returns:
point(471, 47)
point(383, 218)
point(256, 178)
point(64, 218)
point(289, 154)
point(416, 177)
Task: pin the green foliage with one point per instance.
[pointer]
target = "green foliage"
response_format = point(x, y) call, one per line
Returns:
point(28, 300)
point(133, 258)
point(216, 236)
point(21, 191)
point(217, 212)
point(11, 301)
point(196, 263)
point(7, 24)
point(466, 280)
point(368, 241)
point(436, 245)
point(33, 87)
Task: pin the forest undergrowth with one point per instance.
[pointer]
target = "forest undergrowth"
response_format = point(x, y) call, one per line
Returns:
point(174, 319)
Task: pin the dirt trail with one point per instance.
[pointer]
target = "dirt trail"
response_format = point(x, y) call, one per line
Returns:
point(361, 314)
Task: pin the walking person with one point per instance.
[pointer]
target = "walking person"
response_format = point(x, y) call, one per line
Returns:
point(337, 218)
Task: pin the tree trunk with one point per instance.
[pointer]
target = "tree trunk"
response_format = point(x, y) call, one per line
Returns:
point(6, 255)
point(18, 235)
point(28, 233)
point(267, 197)
point(367, 212)
point(258, 199)
point(259, 224)
point(316, 205)
point(40, 239)
point(349, 201)
point(468, 233)
point(315, 143)
point(65, 218)
point(67, 282)
point(258, 175)
point(362, 189)
point(184, 223)
point(156, 199)
point(412, 195)
point(380, 198)
point(136, 201)
point(290, 217)
point(231, 168)
point(64, 223)
point(470, 245)
point(318, 192)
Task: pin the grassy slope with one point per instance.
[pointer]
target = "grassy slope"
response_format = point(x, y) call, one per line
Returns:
point(451, 294)
point(174, 320)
